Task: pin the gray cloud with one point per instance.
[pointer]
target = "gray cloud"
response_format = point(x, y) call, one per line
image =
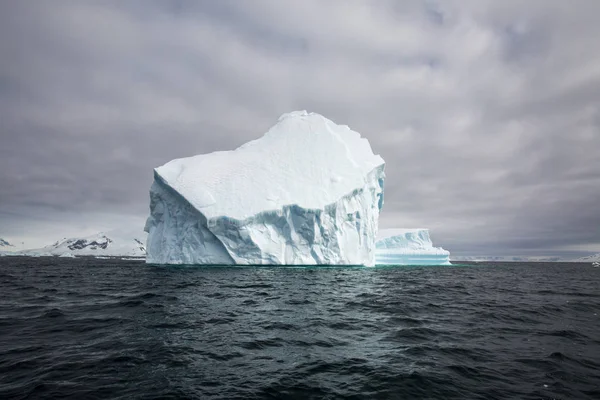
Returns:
point(487, 113)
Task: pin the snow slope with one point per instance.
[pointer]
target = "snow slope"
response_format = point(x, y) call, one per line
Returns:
point(408, 247)
point(307, 192)
point(114, 243)
point(5, 247)
point(592, 258)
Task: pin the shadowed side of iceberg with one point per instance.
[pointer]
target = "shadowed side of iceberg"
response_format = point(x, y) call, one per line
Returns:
point(177, 232)
point(342, 233)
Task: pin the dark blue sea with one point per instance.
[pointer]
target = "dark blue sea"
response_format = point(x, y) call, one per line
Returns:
point(112, 329)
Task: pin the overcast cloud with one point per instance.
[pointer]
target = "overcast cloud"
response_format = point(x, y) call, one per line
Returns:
point(486, 112)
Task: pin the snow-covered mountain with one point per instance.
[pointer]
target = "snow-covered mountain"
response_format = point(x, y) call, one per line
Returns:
point(592, 258)
point(115, 243)
point(5, 247)
point(505, 259)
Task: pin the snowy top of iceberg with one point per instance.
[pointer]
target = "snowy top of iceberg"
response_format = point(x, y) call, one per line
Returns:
point(305, 159)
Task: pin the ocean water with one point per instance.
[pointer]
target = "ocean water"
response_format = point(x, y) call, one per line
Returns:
point(106, 329)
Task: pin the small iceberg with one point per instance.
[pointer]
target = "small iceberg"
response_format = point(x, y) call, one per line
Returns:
point(408, 247)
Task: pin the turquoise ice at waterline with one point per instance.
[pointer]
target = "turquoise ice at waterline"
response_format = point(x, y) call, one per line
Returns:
point(408, 247)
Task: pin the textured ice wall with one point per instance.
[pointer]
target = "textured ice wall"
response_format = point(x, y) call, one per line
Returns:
point(177, 232)
point(341, 233)
point(408, 247)
point(308, 192)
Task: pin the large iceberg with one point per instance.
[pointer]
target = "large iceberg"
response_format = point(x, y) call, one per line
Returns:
point(307, 192)
point(408, 247)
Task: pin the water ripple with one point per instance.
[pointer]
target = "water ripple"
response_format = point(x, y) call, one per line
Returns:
point(106, 329)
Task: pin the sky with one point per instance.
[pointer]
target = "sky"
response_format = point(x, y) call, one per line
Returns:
point(486, 112)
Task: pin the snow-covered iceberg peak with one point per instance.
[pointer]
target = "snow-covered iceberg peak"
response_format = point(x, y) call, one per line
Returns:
point(408, 247)
point(307, 192)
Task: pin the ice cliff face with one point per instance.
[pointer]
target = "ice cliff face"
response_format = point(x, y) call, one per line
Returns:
point(408, 247)
point(308, 192)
